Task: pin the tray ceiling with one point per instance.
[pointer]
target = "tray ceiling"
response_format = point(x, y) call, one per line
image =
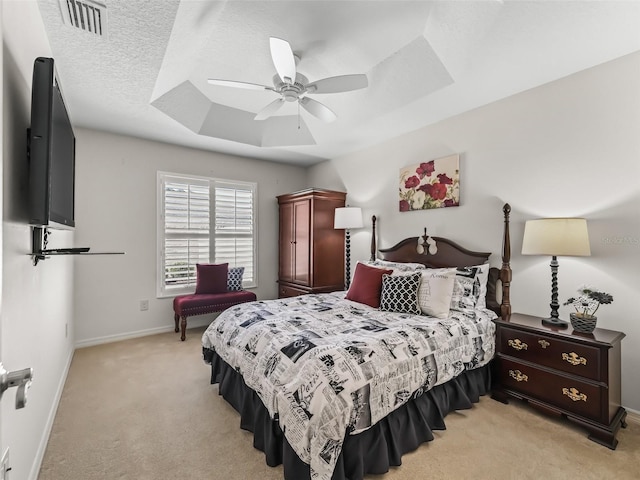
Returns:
point(146, 73)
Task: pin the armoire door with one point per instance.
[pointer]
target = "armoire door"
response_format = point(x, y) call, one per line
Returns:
point(302, 241)
point(287, 235)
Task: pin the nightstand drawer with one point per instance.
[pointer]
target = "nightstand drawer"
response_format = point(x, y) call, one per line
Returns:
point(551, 352)
point(567, 393)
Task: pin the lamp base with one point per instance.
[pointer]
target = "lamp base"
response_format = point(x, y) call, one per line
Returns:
point(555, 322)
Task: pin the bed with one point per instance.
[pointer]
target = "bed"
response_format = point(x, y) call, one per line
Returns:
point(335, 389)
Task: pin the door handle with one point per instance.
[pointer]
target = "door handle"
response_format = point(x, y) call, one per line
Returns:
point(18, 378)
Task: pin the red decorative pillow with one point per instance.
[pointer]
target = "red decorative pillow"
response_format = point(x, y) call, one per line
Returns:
point(367, 285)
point(211, 278)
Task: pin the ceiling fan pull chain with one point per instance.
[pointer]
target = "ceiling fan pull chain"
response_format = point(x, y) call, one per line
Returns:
point(298, 114)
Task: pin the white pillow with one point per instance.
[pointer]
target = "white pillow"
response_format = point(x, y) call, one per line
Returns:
point(435, 291)
point(470, 288)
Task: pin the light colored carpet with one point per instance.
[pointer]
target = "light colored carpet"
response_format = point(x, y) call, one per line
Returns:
point(144, 409)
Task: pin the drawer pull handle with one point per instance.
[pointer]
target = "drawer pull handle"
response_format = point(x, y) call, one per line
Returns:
point(574, 359)
point(574, 394)
point(518, 376)
point(517, 344)
point(543, 343)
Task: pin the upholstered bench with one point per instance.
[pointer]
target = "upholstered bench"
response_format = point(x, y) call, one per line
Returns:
point(200, 303)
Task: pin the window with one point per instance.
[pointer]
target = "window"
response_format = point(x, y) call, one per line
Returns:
point(203, 220)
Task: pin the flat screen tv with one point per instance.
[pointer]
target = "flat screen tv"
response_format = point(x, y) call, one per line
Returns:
point(51, 149)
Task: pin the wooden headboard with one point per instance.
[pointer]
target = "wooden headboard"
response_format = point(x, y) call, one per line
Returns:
point(450, 254)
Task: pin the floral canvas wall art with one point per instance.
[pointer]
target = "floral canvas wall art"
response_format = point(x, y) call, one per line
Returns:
point(434, 184)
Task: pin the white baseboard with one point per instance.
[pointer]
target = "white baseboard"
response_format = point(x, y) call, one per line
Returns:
point(37, 461)
point(194, 322)
point(633, 416)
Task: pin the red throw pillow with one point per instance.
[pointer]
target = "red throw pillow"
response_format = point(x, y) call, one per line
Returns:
point(211, 278)
point(367, 285)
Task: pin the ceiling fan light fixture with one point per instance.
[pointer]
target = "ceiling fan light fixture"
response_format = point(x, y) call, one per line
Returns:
point(290, 96)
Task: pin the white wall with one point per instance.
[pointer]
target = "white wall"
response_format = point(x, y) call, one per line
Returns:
point(37, 301)
point(116, 181)
point(569, 148)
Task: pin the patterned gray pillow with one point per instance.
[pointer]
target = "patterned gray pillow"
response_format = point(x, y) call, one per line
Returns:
point(234, 279)
point(469, 286)
point(396, 266)
point(400, 293)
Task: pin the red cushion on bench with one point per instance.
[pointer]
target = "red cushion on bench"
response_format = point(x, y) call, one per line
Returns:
point(211, 278)
point(201, 303)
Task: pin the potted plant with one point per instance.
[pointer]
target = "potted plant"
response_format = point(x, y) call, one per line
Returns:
point(586, 304)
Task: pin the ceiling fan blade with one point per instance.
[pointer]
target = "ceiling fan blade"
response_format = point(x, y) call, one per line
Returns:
point(233, 83)
point(317, 109)
point(283, 59)
point(269, 110)
point(341, 83)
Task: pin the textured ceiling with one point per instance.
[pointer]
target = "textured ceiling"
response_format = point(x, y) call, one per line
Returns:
point(425, 61)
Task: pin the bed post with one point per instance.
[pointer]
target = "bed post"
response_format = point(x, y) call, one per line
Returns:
point(373, 239)
point(505, 271)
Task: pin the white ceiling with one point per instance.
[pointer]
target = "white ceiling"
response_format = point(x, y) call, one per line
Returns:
point(425, 61)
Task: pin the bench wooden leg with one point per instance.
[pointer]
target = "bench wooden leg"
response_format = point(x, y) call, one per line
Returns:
point(176, 318)
point(183, 326)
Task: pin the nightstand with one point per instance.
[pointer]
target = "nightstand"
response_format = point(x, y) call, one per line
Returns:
point(561, 372)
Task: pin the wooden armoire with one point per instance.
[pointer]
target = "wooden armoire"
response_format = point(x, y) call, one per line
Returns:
point(311, 250)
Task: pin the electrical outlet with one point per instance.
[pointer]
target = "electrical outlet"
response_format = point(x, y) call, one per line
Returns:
point(66, 330)
point(4, 465)
point(144, 305)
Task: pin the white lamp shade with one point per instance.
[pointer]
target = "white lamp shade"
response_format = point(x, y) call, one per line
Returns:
point(556, 237)
point(348, 217)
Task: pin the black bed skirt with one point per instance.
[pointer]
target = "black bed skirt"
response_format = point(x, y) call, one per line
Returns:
point(372, 451)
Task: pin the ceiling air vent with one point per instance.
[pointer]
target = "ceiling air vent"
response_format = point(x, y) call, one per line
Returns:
point(86, 15)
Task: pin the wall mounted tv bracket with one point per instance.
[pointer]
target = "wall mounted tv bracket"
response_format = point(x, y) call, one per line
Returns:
point(18, 378)
point(39, 251)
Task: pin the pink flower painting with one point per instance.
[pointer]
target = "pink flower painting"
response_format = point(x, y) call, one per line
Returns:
point(434, 184)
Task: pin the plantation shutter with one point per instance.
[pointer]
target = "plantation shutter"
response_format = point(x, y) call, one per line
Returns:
point(186, 230)
point(234, 227)
point(203, 221)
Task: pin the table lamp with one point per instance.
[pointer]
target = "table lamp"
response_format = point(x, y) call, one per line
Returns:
point(556, 237)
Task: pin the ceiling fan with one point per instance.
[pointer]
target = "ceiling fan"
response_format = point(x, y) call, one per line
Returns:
point(294, 87)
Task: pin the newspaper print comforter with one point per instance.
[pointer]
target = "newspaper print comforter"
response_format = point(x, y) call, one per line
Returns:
point(325, 366)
